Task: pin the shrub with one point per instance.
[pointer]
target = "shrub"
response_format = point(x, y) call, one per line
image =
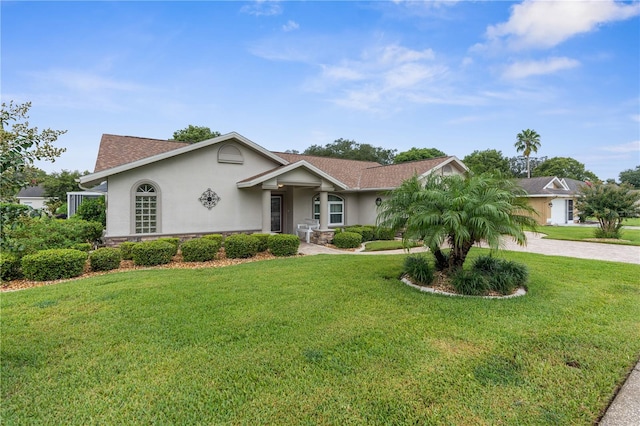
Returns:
point(199, 250)
point(263, 241)
point(510, 276)
point(93, 210)
point(82, 247)
point(9, 267)
point(347, 240)
point(150, 253)
point(105, 259)
point(126, 250)
point(419, 268)
point(239, 246)
point(366, 232)
point(53, 264)
point(486, 264)
point(218, 238)
point(382, 233)
point(175, 242)
point(32, 234)
point(501, 275)
point(472, 283)
point(283, 244)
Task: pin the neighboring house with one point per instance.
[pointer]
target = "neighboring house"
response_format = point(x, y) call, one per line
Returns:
point(230, 184)
point(74, 199)
point(553, 199)
point(32, 196)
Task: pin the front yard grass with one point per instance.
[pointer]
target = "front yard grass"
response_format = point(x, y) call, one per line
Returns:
point(318, 340)
point(586, 233)
point(383, 245)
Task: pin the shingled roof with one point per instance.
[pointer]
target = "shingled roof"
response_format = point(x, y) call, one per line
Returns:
point(121, 150)
point(550, 185)
point(117, 150)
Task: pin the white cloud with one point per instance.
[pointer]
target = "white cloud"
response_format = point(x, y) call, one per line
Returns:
point(381, 75)
point(544, 24)
point(262, 8)
point(290, 26)
point(524, 69)
point(82, 81)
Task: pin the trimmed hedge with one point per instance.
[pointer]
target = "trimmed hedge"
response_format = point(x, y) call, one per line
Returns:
point(150, 253)
point(9, 267)
point(347, 240)
point(263, 241)
point(219, 238)
point(199, 250)
point(173, 241)
point(82, 247)
point(367, 232)
point(54, 264)
point(105, 259)
point(384, 234)
point(283, 244)
point(239, 246)
point(126, 250)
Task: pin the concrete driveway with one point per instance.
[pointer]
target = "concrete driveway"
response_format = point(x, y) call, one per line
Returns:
point(535, 244)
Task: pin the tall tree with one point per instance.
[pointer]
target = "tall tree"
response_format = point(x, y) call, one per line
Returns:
point(489, 160)
point(610, 204)
point(417, 154)
point(528, 141)
point(518, 165)
point(352, 150)
point(21, 146)
point(564, 167)
point(57, 184)
point(631, 176)
point(458, 210)
point(193, 134)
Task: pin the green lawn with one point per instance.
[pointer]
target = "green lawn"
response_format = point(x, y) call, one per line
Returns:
point(632, 222)
point(318, 340)
point(383, 245)
point(585, 233)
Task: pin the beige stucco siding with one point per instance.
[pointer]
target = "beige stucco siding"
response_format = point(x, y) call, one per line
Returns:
point(181, 180)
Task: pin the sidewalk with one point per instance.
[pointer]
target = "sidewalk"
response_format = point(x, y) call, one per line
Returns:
point(625, 408)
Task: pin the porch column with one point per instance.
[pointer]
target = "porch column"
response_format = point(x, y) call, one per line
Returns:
point(266, 211)
point(324, 210)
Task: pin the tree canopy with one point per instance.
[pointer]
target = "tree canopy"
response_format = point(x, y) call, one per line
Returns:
point(57, 184)
point(564, 167)
point(489, 160)
point(193, 134)
point(610, 204)
point(352, 150)
point(21, 146)
point(518, 165)
point(527, 141)
point(631, 177)
point(417, 154)
point(458, 210)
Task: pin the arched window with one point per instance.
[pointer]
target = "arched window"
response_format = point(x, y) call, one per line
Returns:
point(336, 209)
point(146, 209)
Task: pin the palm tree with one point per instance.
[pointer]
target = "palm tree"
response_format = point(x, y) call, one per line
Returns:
point(528, 141)
point(458, 210)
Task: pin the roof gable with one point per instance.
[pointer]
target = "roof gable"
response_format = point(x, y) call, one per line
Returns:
point(549, 185)
point(152, 150)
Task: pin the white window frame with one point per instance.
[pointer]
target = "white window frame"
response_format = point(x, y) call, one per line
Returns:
point(145, 208)
point(335, 202)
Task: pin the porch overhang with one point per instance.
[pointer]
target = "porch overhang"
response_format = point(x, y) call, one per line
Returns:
point(301, 174)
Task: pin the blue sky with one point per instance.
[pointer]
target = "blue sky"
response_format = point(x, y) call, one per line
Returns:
point(459, 76)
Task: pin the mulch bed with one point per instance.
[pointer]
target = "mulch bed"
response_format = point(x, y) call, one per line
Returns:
point(127, 265)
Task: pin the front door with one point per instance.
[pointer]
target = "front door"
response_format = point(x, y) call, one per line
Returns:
point(276, 213)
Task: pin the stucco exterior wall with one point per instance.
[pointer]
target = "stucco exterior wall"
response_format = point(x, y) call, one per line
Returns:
point(180, 182)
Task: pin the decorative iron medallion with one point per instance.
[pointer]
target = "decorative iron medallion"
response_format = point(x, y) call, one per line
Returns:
point(209, 199)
